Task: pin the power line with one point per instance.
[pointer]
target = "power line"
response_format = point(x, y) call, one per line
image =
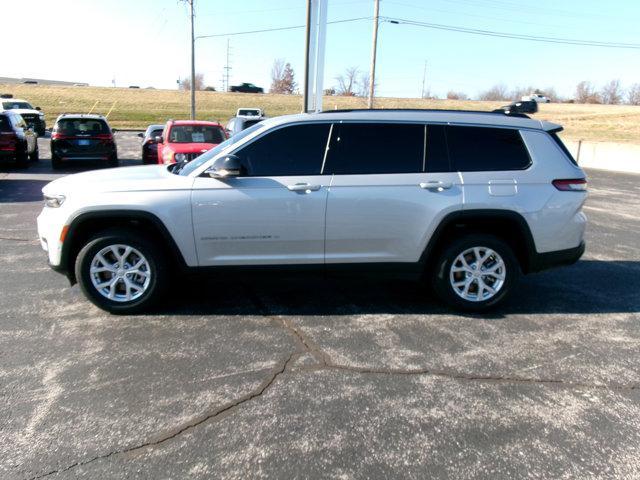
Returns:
point(280, 28)
point(517, 36)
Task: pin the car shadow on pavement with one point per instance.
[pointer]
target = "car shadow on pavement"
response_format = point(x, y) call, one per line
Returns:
point(590, 286)
point(18, 190)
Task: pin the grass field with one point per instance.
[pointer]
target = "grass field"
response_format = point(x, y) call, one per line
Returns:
point(134, 108)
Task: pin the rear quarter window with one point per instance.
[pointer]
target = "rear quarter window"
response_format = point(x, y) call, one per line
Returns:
point(480, 149)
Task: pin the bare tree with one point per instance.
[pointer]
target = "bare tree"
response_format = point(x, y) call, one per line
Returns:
point(585, 93)
point(612, 93)
point(633, 94)
point(363, 85)
point(348, 82)
point(495, 93)
point(452, 95)
point(519, 92)
point(185, 84)
point(277, 73)
point(552, 95)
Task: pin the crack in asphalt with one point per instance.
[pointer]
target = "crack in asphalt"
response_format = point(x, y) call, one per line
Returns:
point(275, 373)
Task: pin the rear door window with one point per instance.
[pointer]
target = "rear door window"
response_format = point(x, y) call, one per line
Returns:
point(437, 158)
point(288, 151)
point(375, 148)
point(480, 149)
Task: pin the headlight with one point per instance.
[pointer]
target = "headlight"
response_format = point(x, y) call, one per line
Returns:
point(167, 155)
point(180, 157)
point(41, 115)
point(54, 201)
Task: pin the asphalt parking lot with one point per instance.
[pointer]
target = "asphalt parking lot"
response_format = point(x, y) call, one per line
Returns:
point(322, 379)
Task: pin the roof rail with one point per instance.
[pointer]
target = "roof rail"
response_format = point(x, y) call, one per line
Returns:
point(501, 111)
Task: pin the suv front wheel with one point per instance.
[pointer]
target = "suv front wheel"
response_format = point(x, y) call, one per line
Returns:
point(121, 272)
point(475, 273)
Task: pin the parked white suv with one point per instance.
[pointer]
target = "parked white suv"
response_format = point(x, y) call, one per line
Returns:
point(466, 200)
point(536, 97)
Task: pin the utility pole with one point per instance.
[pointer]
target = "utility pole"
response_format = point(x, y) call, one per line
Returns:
point(193, 66)
point(374, 46)
point(225, 83)
point(424, 78)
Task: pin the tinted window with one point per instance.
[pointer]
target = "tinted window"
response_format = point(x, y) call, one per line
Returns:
point(437, 155)
point(82, 126)
point(295, 150)
point(475, 149)
point(375, 148)
point(5, 124)
point(156, 133)
point(196, 134)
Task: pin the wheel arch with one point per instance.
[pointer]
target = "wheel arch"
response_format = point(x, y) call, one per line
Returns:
point(88, 224)
point(508, 225)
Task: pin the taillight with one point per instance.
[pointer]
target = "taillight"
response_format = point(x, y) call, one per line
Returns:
point(9, 141)
point(571, 184)
point(104, 136)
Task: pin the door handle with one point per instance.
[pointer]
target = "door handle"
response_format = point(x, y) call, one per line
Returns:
point(436, 185)
point(304, 187)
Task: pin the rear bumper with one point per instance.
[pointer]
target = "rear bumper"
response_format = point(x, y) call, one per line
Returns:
point(547, 260)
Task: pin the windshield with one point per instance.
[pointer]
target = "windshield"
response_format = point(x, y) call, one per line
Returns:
point(195, 134)
point(81, 126)
point(15, 105)
point(193, 165)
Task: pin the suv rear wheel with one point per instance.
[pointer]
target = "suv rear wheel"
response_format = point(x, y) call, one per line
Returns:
point(475, 273)
point(121, 271)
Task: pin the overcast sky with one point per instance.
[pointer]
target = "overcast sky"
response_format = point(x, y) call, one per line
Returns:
point(146, 42)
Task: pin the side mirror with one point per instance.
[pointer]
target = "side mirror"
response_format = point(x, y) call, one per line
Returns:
point(226, 167)
point(157, 139)
point(38, 108)
point(141, 135)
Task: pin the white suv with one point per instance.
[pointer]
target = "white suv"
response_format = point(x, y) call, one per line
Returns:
point(465, 200)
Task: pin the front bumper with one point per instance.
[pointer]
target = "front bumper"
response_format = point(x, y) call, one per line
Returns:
point(50, 223)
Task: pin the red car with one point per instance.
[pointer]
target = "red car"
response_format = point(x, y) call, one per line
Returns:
point(188, 139)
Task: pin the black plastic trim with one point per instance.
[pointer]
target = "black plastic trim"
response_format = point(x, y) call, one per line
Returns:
point(547, 260)
point(124, 215)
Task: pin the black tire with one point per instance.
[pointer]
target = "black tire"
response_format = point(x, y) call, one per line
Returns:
point(22, 158)
point(113, 161)
point(56, 163)
point(441, 274)
point(35, 156)
point(155, 260)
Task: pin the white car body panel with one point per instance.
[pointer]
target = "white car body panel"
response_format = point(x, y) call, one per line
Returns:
point(259, 221)
point(151, 189)
point(386, 218)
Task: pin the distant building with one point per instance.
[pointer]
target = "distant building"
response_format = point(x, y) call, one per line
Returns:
point(40, 81)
